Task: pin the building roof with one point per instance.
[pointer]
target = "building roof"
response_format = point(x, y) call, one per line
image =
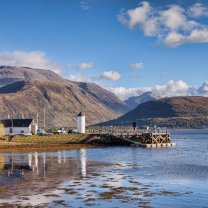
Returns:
point(16, 122)
point(80, 114)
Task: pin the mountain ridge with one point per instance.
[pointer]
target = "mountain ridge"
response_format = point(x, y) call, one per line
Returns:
point(11, 74)
point(134, 101)
point(173, 112)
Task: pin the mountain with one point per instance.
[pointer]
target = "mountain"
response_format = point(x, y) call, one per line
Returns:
point(26, 90)
point(107, 98)
point(11, 74)
point(62, 103)
point(134, 101)
point(183, 112)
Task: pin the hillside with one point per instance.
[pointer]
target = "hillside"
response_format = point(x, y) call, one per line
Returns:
point(134, 101)
point(107, 98)
point(62, 103)
point(11, 74)
point(184, 112)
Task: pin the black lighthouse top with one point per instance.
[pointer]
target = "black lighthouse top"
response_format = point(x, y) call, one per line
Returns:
point(80, 114)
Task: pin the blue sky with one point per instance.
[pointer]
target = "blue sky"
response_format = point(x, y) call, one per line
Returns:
point(126, 46)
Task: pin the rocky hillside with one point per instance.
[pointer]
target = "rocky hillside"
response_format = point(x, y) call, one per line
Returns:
point(134, 101)
point(25, 91)
point(184, 112)
point(62, 103)
point(104, 96)
point(10, 74)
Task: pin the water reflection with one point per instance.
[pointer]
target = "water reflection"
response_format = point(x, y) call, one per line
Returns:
point(14, 170)
point(82, 160)
point(40, 170)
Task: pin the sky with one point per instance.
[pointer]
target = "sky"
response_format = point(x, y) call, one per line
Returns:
point(126, 46)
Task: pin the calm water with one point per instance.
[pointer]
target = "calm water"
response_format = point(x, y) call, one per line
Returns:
point(111, 177)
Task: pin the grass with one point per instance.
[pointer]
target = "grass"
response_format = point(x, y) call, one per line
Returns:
point(43, 143)
point(49, 139)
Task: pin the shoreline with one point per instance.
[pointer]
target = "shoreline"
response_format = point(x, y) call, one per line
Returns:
point(42, 148)
point(45, 143)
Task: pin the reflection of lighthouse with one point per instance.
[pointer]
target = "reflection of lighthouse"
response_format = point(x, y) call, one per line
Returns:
point(30, 159)
point(33, 164)
point(44, 164)
point(81, 123)
point(82, 162)
point(59, 157)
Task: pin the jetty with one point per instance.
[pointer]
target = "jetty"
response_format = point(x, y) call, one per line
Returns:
point(138, 139)
point(123, 135)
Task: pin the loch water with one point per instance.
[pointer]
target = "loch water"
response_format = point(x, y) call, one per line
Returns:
point(110, 176)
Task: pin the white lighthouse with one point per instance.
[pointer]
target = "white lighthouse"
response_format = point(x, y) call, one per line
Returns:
point(81, 123)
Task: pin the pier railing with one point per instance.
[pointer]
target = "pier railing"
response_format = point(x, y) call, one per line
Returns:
point(124, 136)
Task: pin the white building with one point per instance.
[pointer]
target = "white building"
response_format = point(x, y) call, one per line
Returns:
point(81, 123)
point(19, 126)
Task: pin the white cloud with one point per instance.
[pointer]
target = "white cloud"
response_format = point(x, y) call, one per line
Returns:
point(170, 25)
point(141, 16)
point(110, 75)
point(85, 65)
point(196, 36)
point(171, 88)
point(82, 66)
point(198, 10)
point(87, 4)
point(151, 26)
point(33, 59)
point(125, 93)
point(136, 66)
point(203, 90)
point(79, 78)
point(107, 75)
point(136, 16)
point(175, 19)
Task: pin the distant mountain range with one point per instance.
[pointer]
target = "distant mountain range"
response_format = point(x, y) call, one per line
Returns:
point(182, 112)
point(133, 102)
point(26, 91)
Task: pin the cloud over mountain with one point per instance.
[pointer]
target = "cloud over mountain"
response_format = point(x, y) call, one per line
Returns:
point(33, 59)
point(169, 89)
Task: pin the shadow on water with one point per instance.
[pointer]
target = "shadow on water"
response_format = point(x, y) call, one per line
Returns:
point(34, 173)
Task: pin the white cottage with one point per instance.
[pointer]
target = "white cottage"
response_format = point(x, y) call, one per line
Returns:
point(19, 126)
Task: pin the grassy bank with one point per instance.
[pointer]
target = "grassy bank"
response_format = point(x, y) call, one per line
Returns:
point(43, 143)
